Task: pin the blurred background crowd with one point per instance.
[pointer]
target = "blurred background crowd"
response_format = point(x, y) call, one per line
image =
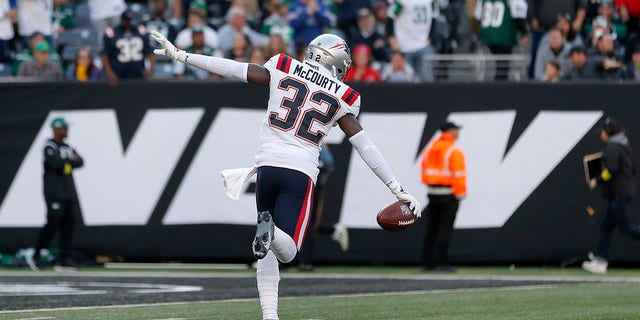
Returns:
point(390, 40)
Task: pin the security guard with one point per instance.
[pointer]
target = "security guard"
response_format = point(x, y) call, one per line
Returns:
point(444, 173)
point(60, 160)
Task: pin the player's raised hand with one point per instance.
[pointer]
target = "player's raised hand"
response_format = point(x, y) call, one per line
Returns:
point(168, 49)
point(404, 196)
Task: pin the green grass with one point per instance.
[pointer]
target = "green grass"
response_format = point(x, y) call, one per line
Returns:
point(567, 301)
point(563, 302)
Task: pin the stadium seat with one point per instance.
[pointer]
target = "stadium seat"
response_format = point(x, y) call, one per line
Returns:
point(78, 36)
point(163, 70)
point(69, 53)
point(82, 15)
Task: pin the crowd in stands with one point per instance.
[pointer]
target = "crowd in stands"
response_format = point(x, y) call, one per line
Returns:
point(390, 40)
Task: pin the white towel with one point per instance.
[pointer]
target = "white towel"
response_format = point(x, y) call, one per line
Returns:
point(234, 179)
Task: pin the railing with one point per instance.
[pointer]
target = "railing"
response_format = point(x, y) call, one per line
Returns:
point(478, 66)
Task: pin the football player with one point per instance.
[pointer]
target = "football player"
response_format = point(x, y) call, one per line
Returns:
point(306, 99)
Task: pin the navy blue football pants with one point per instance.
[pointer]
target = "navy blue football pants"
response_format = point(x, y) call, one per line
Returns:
point(287, 194)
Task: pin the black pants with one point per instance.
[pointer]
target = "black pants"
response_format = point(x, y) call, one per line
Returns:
point(440, 214)
point(502, 66)
point(616, 215)
point(61, 217)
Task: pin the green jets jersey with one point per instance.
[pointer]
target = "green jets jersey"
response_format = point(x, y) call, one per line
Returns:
point(497, 20)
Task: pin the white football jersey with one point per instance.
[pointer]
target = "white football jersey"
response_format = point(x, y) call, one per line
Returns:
point(305, 102)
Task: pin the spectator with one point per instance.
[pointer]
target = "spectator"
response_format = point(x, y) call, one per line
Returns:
point(8, 15)
point(608, 22)
point(125, 49)
point(444, 173)
point(557, 49)
point(552, 72)
point(633, 68)
point(347, 14)
point(383, 24)
point(361, 70)
point(543, 15)
point(27, 54)
point(617, 180)
point(197, 17)
point(563, 23)
point(366, 33)
point(105, 14)
point(62, 17)
point(277, 23)
point(240, 48)
point(500, 34)
point(157, 21)
point(34, 16)
point(83, 69)
point(608, 64)
point(60, 160)
point(183, 71)
point(41, 68)
point(238, 24)
point(309, 19)
point(257, 56)
point(581, 68)
point(398, 70)
point(276, 46)
point(411, 34)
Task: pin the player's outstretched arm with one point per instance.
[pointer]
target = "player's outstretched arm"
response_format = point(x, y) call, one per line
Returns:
point(245, 72)
point(374, 159)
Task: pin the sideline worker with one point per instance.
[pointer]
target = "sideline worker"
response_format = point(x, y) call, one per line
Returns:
point(444, 173)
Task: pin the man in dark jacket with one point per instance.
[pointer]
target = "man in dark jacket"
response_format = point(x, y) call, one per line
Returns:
point(60, 160)
point(618, 188)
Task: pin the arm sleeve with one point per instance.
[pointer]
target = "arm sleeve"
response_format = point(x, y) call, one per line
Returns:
point(78, 162)
point(610, 166)
point(52, 158)
point(225, 67)
point(459, 174)
point(372, 157)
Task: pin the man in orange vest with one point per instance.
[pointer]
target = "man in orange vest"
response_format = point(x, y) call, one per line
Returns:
point(444, 173)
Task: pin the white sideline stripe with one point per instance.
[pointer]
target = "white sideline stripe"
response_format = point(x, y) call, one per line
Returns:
point(176, 265)
point(373, 294)
point(41, 318)
point(589, 279)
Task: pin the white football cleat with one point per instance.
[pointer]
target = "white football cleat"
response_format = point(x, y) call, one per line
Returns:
point(595, 266)
point(31, 262)
point(341, 236)
point(264, 235)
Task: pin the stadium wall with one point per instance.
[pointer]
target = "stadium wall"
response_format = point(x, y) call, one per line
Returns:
point(150, 188)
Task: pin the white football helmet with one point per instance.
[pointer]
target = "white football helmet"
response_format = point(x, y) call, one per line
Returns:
point(330, 52)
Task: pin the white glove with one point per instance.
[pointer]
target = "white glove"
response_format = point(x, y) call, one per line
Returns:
point(404, 196)
point(169, 49)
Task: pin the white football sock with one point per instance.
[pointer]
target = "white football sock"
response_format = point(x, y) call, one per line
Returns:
point(268, 277)
point(283, 246)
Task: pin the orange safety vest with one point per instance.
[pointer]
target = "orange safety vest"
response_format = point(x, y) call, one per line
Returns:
point(443, 168)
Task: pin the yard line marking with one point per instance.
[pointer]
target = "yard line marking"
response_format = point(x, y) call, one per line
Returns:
point(41, 318)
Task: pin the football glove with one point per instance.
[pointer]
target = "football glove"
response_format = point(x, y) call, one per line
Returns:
point(404, 196)
point(168, 49)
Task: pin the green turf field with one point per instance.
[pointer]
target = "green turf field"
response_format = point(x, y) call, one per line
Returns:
point(564, 301)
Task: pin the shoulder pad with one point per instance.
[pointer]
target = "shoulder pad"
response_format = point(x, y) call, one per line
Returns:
point(350, 96)
point(284, 63)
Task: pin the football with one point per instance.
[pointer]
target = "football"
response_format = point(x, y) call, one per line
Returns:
point(395, 217)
